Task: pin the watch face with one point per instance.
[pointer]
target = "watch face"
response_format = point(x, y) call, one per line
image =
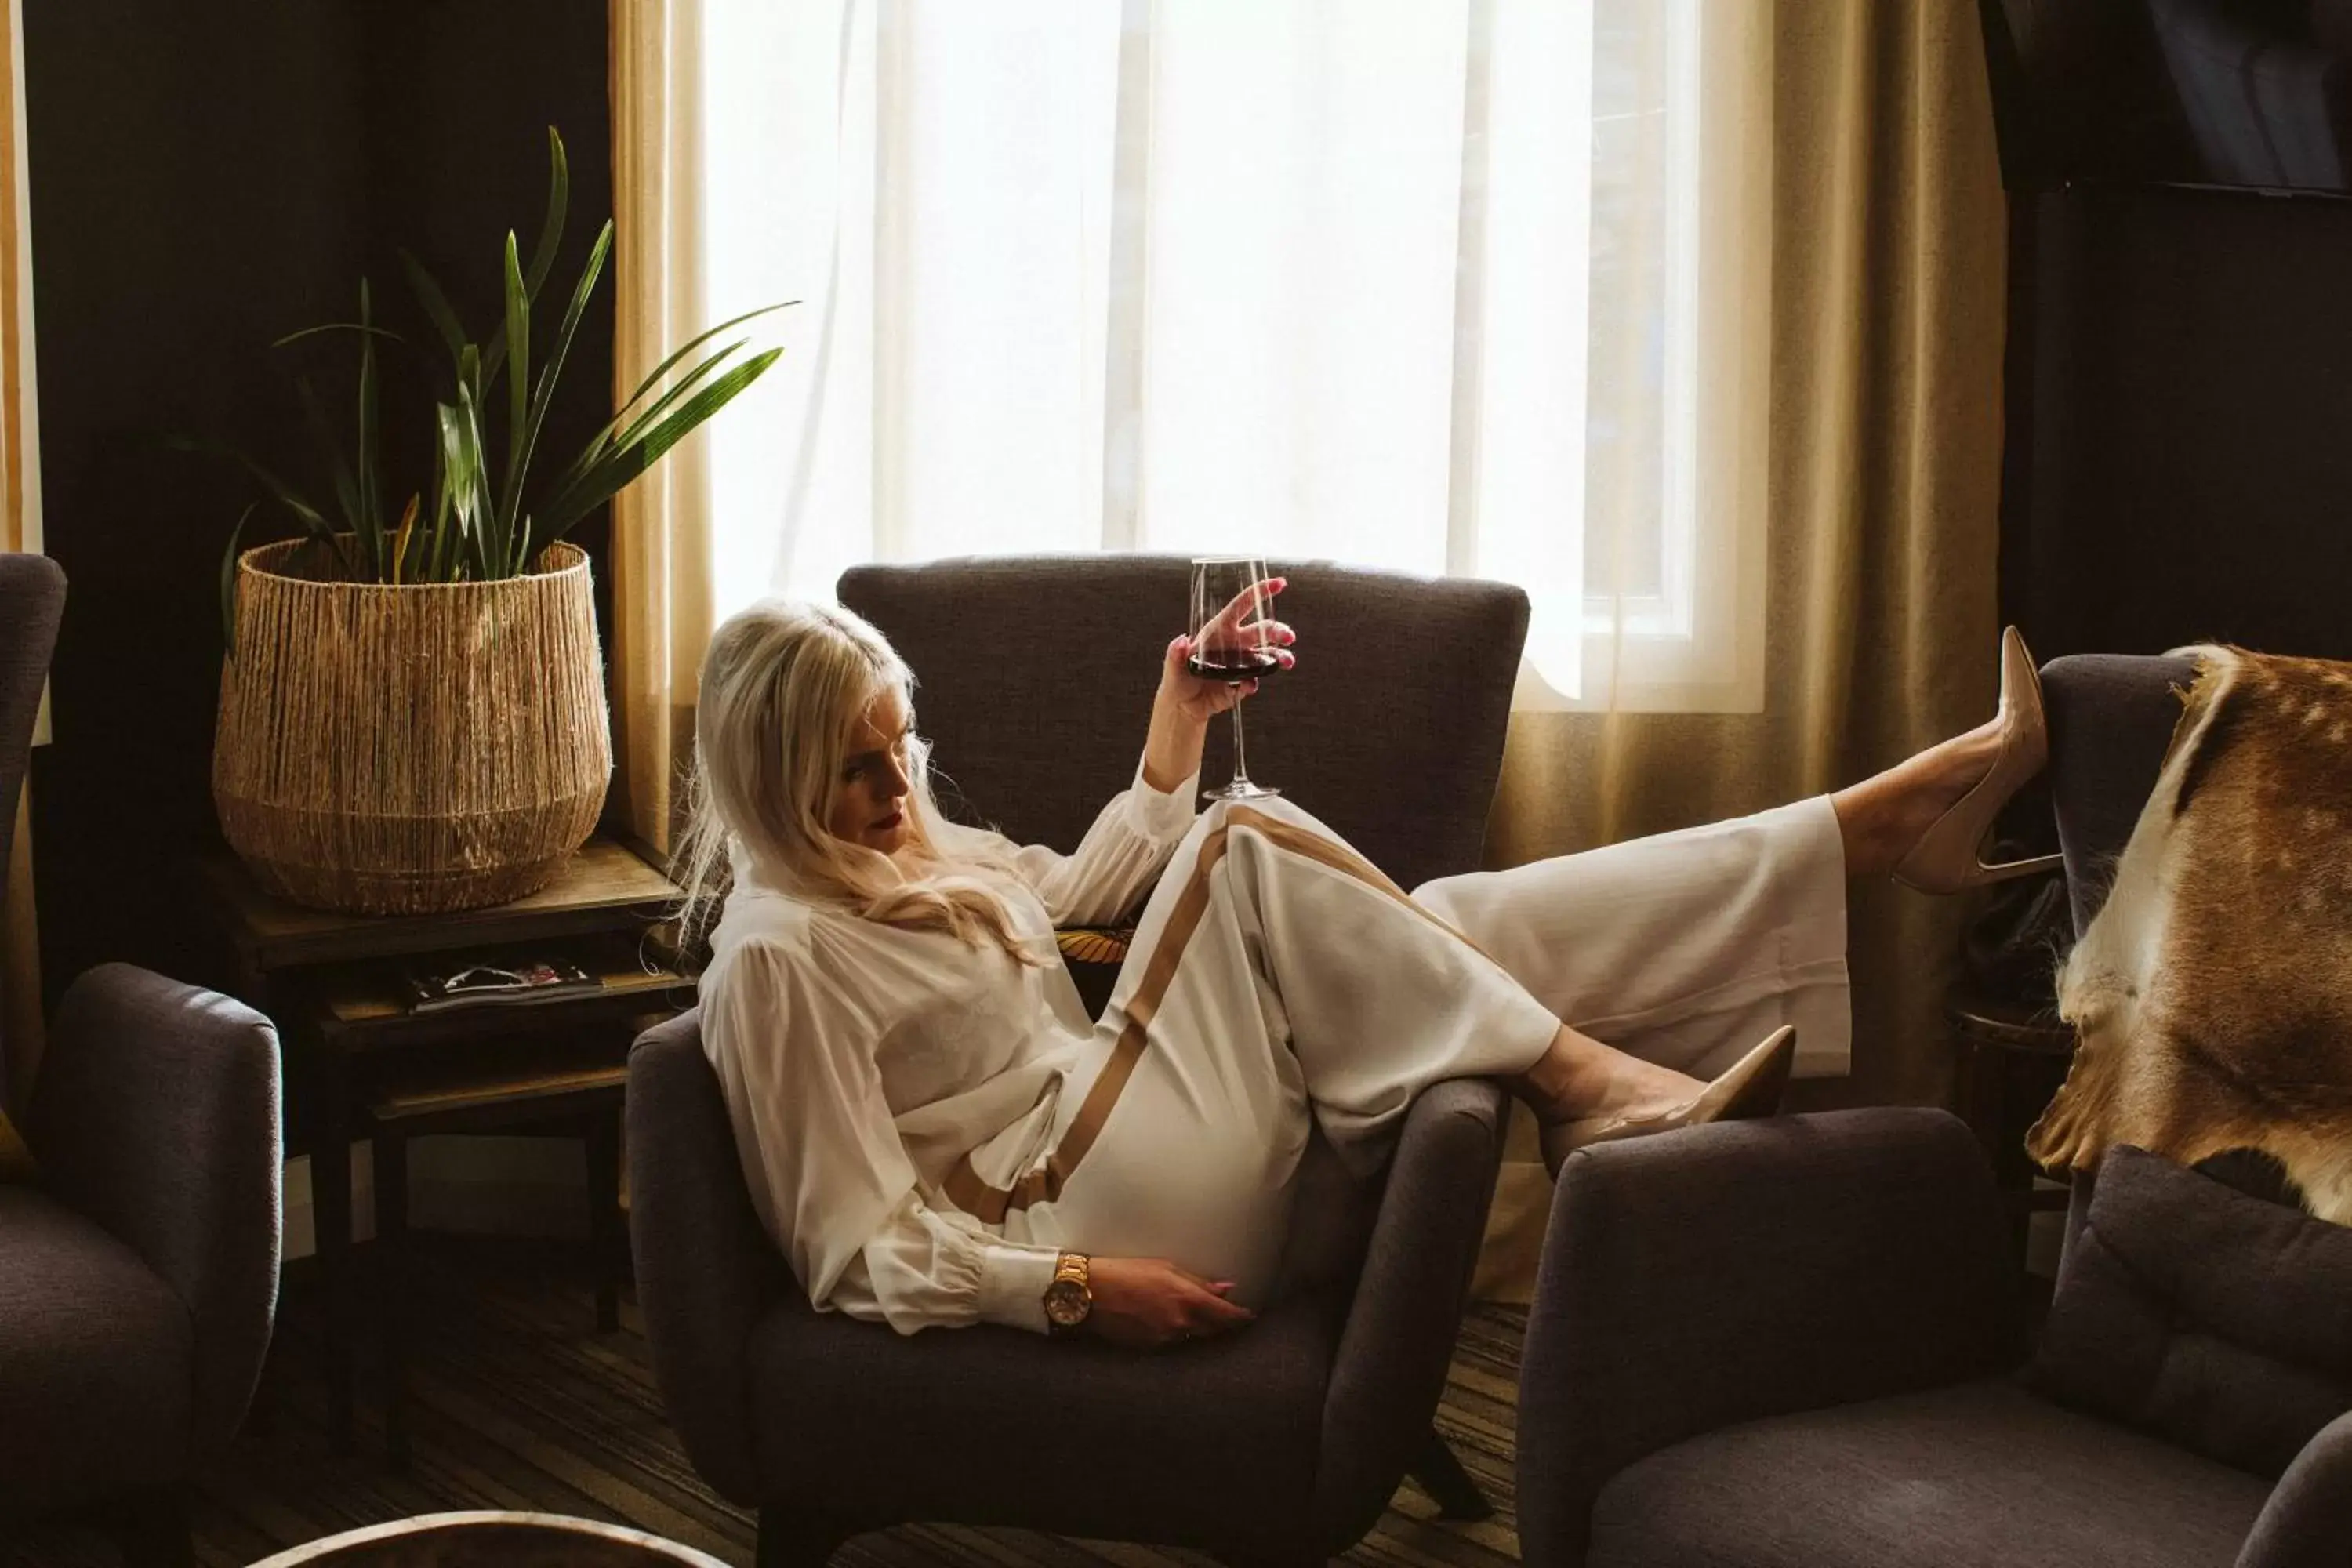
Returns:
point(1068, 1303)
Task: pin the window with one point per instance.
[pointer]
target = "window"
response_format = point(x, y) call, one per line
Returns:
point(1434, 285)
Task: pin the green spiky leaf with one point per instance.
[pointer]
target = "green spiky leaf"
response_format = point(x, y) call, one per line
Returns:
point(371, 504)
point(292, 338)
point(622, 465)
point(559, 201)
point(436, 305)
point(228, 580)
point(312, 521)
point(517, 385)
point(543, 394)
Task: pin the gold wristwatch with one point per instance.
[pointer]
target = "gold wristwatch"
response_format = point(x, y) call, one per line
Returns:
point(1069, 1298)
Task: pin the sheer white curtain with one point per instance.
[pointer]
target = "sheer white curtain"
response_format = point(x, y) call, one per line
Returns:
point(1466, 286)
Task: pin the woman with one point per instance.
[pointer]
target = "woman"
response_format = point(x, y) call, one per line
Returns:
point(934, 1132)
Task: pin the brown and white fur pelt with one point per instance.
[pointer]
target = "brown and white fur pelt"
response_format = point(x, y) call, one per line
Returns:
point(2212, 993)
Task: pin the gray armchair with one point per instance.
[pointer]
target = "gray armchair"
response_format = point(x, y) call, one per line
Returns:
point(1280, 1443)
point(138, 1275)
point(1792, 1341)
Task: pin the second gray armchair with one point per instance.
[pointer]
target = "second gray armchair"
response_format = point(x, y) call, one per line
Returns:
point(139, 1272)
point(1793, 1343)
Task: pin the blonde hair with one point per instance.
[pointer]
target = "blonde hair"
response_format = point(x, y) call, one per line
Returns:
point(783, 686)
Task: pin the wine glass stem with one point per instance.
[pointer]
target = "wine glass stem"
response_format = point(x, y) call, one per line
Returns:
point(1241, 752)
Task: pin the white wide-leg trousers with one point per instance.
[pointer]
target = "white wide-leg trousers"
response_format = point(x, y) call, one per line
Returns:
point(1276, 976)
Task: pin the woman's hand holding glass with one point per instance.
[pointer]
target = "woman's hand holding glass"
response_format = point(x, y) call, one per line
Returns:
point(1233, 643)
point(1240, 626)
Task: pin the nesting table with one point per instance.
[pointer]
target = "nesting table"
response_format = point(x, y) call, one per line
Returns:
point(361, 1062)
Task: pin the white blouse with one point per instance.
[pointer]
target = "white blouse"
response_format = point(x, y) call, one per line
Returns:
point(861, 1061)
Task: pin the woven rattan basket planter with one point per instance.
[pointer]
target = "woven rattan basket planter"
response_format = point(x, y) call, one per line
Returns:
point(409, 750)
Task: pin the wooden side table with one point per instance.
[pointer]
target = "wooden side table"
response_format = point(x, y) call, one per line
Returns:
point(555, 1068)
point(357, 1059)
point(2011, 1060)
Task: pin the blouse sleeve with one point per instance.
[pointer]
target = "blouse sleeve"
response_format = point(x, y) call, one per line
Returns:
point(1118, 860)
point(794, 1045)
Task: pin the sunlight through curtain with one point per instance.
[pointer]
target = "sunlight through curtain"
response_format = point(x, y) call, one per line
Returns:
point(1443, 286)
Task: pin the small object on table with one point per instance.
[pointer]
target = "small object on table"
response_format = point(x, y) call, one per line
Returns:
point(521, 980)
point(485, 1539)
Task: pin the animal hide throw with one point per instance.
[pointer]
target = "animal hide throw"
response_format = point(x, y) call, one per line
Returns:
point(2212, 993)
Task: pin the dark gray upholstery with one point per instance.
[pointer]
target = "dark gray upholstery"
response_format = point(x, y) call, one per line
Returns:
point(1977, 1475)
point(2308, 1519)
point(1280, 1442)
point(2111, 717)
point(94, 1356)
point(1287, 1437)
point(991, 1426)
point(2111, 720)
point(1398, 1342)
point(156, 1115)
point(2216, 1320)
point(1391, 730)
point(1736, 1271)
point(706, 1273)
point(138, 1279)
point(32, 603)
point(1769, 1345)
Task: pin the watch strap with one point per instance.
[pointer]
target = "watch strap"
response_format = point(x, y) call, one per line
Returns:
point(1070, 1269)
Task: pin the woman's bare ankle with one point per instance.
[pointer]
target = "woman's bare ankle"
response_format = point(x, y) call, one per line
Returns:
point(1880, 818)
point(1578, 1077)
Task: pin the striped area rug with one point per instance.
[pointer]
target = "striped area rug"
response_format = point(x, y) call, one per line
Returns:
point(518, 1403)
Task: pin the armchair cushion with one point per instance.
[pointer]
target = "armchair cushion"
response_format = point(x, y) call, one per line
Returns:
point(1980, 1474)
point(991, 1426)
point(95, 1355)
point(2197, 1312)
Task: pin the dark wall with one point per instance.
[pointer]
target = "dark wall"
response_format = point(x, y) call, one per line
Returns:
point(2180, 421)
point(205, 178)
point(460, 94)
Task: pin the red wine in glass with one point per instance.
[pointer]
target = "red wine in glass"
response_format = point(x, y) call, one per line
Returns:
point(1232, 641)
point(1237, 664)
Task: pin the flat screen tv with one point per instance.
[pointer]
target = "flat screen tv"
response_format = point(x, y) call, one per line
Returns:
point(2243, 94)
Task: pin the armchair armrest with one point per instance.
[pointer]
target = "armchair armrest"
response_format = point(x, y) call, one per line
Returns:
point(707, 1273)
point(1696, 1280)
point(1389, 1372)
point(156, 1116)
point(2307, 1523)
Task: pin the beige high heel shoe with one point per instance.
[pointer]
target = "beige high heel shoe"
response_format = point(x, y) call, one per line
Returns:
point(1946, 859)
point(1752, 1086)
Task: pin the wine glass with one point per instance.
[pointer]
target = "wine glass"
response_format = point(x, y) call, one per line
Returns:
point(1232, 641)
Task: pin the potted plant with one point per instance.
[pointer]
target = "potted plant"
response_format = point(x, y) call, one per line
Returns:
point(412, 713)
